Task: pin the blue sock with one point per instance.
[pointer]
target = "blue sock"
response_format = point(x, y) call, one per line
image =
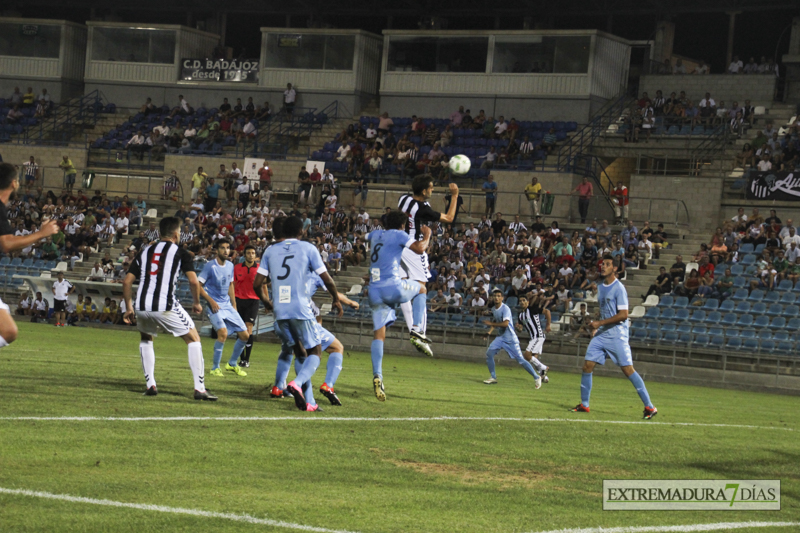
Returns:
point(586, 388)
point(307, 371)
point(334, 367)
point(377, 357)
point(418, 308)
point(284, 364)
point(638, 383)
point(308, 390)
point(529, 368)
point(218, 346)
point(490, 363)
point(238, 348)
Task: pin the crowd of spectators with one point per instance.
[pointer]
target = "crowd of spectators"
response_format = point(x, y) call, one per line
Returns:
point(20, 110)
point(772, 150)
point(746, 252)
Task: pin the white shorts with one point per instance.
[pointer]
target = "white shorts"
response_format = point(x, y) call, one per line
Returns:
point(4, 307)
point(416, 266)
point(176, 321)
point(535, 345)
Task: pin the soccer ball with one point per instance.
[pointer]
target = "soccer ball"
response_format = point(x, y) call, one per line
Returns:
point(460, 164)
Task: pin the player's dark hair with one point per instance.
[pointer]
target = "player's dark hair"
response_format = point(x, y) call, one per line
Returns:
point(220, 242)
point(396, 220)
point(421, 183)
point(277, 228)
point(608, 257)
point(249, 247)
point(7, 174)
point(169, 225)
point(292, 228)
point(496, 291)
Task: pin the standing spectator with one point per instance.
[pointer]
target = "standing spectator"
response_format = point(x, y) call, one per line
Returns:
point(289, 98)
point(533, 192)
point(361, 188)
point(61, 291)
point(31, 171)
point(584, 190)
point(490, 188)
point(198, 179)
point(620, 194)
point(212, 196)
point(304, 186)
point(265, 175)
point(69, 172)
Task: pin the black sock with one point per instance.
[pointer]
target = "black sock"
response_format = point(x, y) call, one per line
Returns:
point(247, 348)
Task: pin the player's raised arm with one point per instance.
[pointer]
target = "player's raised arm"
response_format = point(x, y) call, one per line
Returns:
point(448, 217)
point(10, 243)
point(420, 247)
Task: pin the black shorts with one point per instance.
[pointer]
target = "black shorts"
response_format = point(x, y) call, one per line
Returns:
point(59, 305)
point(248, 309)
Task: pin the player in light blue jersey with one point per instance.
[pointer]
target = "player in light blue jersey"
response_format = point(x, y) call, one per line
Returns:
point(610, 339)
point(503, 321)
point(386, 289)
point(288, 264)
point(328, 342)
point(216, 286)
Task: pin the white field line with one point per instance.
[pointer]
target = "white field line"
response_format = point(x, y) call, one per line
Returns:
point(173, 510)
point(364, 419)
point(727, 526)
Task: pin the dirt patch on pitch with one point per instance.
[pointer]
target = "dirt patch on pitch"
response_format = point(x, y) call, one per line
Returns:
point(468, 476)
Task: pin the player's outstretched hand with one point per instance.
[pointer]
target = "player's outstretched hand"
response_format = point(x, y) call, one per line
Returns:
point(338, 306)
point(355, 305)
point(128, 316)
point(594, 324)
point(49, 228)
point(214, 306)
point(547, 329)
point(453, 189)
point(197, 308)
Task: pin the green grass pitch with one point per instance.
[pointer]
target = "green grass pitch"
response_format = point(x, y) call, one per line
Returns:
point(359, 475)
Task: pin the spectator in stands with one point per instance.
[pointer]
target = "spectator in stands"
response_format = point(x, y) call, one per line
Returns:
point(183, 108)
point(533, 192)
point(29, 98)
point(289, 99)
point(736, 66)
point(708, 109)
point(15, 98)
point(765, 165)
point(791, 237)
point(42, 109)
point(489, 158)
point(584, 190)
point(137, 145)
point(384, 124)
point(456, 117)
point(14, 115)
point(490, 190)
point(439, 302)
point(679, 67)
point(702, 68)
point(549, 141)
point(747, 157)
point(39, 308)
point(431, 135)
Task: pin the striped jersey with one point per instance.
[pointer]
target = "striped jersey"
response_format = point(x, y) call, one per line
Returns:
point(419, 214)
point(529, 319)
point(157, 268)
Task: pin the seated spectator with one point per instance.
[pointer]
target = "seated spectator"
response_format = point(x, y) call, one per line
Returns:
point(745, 158)
point(549, 141)
point(14, 115)
point(439, 302)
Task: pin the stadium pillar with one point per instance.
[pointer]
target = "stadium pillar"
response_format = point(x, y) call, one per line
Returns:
point(731, 27)
point(664, 40)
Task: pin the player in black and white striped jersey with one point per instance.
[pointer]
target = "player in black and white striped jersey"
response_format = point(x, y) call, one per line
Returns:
point(157, 268)
point(530, 321)
point(420, 213)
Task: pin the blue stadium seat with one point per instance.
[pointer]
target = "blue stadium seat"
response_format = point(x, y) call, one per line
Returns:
point(734, 343)
point(653, 336)
point(682, 314)
point(732, 332)
point(716, 331)
point(785, 285)
point(759, 308)
point(745, 320)
point(767, 346)
point(739, 282)
point(788, 298)
point(698, 315)
point(711, 304)
point(737, 270)
point(639, 335)
point(756, 296)
point(681, 302)
point(685, 339)
point(670, 337)
point(669, 326)
point(786, 348)
point(781, 336)
point(775, 310)
point(748, 333)
point(749, 259)
point(729, 319)
point(742, 307)
point(791, 311)
point(778, 323)
point(666, 301)
point(713, 317)
point(771, 297)
point(793, 324)
point(740, 294)
point(667, 314)
point(653, 312)
point(717, 341)
point(746, 248)
point(727, 306)
point(750, 345)
point(698, 330)
point(765, 335)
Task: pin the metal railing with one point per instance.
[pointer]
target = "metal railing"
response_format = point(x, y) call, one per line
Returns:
point(65, 121)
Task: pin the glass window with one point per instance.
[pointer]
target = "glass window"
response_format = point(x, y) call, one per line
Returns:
point(310, 52)
point(133, 45)
point(437, 54)
point(534, 53)
point(29, 40)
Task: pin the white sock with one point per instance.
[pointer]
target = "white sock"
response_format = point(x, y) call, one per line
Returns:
point(424, 325)
point(197, 365)
point(148, 362)
point(408, 313)
point(3, 342)
point(538, 364)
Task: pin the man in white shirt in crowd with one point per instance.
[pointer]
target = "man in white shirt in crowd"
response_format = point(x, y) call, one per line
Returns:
point(785, 229)
point(121, 224)
point(792, 237)
point(289, 97)
point(765, 164)
point(736, 66)
point(97, 273)
point(454, 301)
point(61, 291)
point(343, 151)
point(500, 127)
point(40, 308)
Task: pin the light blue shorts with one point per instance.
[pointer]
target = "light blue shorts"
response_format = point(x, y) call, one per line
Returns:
point(385, 297)
point(226, 318)
point(292, 330)
point(511, 347)
point(613, 345)
point(326, 338)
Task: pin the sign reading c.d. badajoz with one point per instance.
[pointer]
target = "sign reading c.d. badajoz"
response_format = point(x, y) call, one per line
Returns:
point(692, 494)
point(237, 70)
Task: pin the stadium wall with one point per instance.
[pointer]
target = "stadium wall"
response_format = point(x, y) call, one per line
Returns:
point(760, 90)
point(702, 196)
point(48, 157)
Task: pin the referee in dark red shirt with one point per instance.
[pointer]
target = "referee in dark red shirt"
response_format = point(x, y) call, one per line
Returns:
point(247, 303)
